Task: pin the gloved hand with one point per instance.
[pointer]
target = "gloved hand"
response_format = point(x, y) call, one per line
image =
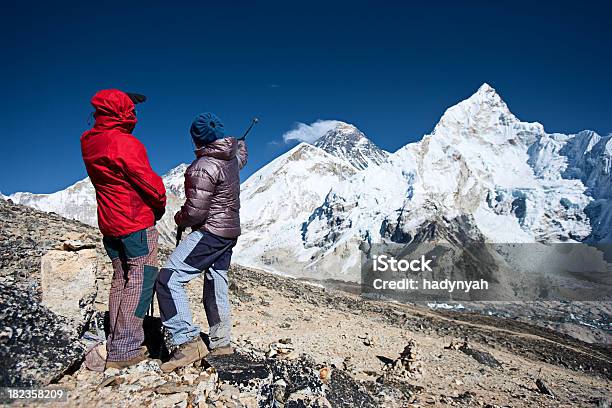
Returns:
point(158, 213)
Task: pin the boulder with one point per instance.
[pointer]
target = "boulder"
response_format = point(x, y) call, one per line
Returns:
point(68, 283)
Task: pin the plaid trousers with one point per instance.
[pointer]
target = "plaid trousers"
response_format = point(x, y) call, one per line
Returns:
point(134, 259)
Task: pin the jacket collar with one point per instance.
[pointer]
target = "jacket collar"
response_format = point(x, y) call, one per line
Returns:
point(224, 149)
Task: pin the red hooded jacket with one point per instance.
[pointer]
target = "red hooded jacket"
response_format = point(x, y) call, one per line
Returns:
point(130, 195)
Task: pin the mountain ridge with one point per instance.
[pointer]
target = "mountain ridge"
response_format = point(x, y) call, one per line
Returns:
point(519, 183)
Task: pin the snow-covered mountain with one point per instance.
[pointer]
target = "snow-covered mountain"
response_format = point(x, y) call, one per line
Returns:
point(278, 199)
point(349, 143)
point(482, 174)
point(501, 179)
point(77, 202)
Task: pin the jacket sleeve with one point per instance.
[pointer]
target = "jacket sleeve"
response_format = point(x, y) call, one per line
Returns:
point(133, 161)
point(242, 153)
point(200, 186)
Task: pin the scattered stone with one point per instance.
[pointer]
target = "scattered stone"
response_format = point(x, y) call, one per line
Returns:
point(189, 378)
point(172, 400)
point(77, 245)
point(279, 391)
point(481, 356)
point(348, 365)
point(325, 374)
point(110, 372)
point(240, 294)
point(111, 381)
point(464, 398)
point(206, 384)
point(280, 350)
point(172, 387)
point(367, 340)
point(544, 388)
point(455, 345)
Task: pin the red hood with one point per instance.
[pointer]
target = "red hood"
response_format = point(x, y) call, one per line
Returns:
point(114, 109)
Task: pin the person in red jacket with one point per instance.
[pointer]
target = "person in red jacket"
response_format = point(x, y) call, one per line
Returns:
point(131, 198)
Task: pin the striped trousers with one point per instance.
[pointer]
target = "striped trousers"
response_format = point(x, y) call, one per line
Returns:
point(199, 252)
point(134, 259)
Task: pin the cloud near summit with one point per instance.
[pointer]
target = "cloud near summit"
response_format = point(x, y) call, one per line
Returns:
point(309, 133)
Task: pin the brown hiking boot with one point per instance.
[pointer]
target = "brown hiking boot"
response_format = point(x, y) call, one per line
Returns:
point(127, 363)
point(221, 351)
point(187, 353)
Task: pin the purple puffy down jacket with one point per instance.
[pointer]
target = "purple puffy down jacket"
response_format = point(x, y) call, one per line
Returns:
point(212, 189)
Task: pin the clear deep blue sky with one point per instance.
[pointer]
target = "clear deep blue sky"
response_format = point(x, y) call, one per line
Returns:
point(391, 68)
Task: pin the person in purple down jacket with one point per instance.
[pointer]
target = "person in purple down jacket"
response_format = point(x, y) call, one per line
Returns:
point(212, 210)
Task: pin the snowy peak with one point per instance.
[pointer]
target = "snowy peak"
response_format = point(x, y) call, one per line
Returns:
point(484, 109)
point(303, 162)
point(347, 142)
point(486, 96)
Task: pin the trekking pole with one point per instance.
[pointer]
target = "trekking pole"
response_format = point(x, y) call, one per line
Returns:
point(179, 235)
point(253, 122)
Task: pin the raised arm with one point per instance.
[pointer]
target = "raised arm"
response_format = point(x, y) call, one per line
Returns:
point(242, 153)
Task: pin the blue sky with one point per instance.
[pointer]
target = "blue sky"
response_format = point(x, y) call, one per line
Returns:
point(390, 68)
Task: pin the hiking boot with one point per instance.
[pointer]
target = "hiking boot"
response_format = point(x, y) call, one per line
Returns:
point(221, 351)
point(128, 363)
point(187, 353)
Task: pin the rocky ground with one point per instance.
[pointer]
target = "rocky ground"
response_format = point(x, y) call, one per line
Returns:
point(298, 344)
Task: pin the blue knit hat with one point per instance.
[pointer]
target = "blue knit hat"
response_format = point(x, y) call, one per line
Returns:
point(206, 128)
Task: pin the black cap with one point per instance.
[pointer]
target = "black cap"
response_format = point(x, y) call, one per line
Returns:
point(136, 98)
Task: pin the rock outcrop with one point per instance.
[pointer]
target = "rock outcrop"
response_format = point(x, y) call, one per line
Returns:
point(49, 268)
point(68, 283)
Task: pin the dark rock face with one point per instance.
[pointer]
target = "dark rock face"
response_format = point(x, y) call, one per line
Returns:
point(36, 345)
